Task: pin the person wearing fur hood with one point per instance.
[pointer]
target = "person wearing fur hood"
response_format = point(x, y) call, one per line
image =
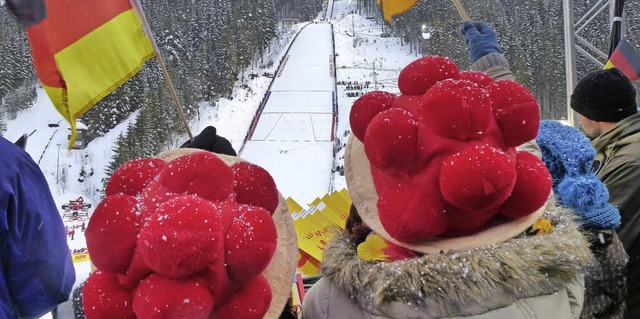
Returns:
point(449, 219)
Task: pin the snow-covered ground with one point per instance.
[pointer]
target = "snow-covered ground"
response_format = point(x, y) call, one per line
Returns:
point(293, 137)
point(364, 61)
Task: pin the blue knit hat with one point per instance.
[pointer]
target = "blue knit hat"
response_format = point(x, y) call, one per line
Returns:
point(569, 155)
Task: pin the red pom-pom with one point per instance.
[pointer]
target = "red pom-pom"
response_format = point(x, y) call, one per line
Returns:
point(200, 173)
point(250, 302)
point(463, 223)
point(255, 186)
point(480, 78)
point(137, 271)
point(154, 195)
point(158, 297)
point(104, 298)
point(412, 104)
point(420, 75)
point(458, 109)
point(532, 189)
point(409, 214)
point(182, 237)
point(218, 281)
point(517, 112)
point(250, 243)
point(477, 179)
point(133, 176)
point(391, 141)
point(112, 233)
point(365, 108)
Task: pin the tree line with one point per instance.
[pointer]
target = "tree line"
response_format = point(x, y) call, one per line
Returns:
point(530, 34)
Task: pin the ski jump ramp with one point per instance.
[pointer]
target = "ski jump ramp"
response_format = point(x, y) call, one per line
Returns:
point(293, 135)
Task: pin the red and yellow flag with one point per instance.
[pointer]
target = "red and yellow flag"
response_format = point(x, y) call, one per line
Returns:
point(625, 59)
point(83, 50)
point(391, 8)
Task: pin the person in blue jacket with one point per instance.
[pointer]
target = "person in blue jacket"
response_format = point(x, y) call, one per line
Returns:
point(36, 270)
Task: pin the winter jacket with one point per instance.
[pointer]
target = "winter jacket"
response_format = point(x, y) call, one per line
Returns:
point(617, 164)
point(605, 278)
point(524, 277)
point(494, 65)
point(37, 272)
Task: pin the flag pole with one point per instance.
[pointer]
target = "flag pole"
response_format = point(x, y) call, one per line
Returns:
point(461, 10)
point(616, 26)
point(147, 29)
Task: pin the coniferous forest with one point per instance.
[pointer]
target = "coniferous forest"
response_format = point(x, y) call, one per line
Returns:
point(208, 44)
point(530, 35)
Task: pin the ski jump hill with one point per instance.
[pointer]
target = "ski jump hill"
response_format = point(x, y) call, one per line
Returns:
point(292, 136)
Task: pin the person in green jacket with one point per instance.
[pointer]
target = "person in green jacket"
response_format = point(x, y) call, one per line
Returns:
point(605, 101)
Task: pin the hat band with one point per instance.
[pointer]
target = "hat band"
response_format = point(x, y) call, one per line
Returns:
point(603, 115)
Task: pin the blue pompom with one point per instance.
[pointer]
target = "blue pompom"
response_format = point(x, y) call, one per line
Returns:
point(583, 192)
point(589, 197)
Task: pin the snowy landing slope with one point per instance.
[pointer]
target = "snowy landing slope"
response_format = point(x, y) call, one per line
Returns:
point(293, 137)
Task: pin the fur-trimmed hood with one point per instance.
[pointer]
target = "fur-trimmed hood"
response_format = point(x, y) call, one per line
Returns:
point(521, 267)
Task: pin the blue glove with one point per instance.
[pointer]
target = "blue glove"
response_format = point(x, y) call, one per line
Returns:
point(480, 38)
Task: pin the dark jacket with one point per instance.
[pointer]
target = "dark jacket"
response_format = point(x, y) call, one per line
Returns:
point(618, 166)
point(605, 278)
point(37, 272)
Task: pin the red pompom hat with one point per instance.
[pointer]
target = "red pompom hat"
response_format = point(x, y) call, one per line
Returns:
point(436, 168)
point(190, 235)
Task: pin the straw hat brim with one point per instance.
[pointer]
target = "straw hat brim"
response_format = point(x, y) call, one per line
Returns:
point(282, 267)
point(363, 194)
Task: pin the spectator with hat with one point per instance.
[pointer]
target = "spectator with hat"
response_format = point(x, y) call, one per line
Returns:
point(568, 155)
point(448, 218)
point(605, 101)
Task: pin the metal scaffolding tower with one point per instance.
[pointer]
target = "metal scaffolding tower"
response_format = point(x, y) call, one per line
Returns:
point(574, 43)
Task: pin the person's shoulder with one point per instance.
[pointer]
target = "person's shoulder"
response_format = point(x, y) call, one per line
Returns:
point(11, 154)
point(16, 163)
point(9, 148)
point(628, 155)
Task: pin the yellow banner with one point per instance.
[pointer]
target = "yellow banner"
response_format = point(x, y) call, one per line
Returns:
point(313, 226)
point(80, 257)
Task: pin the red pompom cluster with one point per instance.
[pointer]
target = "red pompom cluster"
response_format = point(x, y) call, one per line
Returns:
point(442, 154)
point(188, 239)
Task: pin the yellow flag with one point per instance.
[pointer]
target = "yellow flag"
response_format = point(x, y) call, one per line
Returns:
point(83, 50)
point(391, 8)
